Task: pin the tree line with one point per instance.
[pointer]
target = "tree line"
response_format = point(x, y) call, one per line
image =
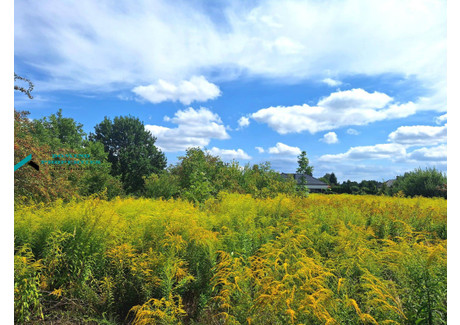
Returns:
point(428, 182)
point(131, 165)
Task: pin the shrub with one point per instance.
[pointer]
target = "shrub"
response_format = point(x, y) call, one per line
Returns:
point(163, 185)
point(429, 183)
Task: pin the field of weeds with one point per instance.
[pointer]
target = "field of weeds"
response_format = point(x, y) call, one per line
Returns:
point(325, 259)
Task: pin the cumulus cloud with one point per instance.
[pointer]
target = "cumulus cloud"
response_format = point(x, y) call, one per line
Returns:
point(441, 119)
point(330, 137)
point(243, 122)
point(419, 135)
point(260, 149)
point(285, 164)
point(331, 82)
point(378, 151)
point(196, 89)
point(432, 138)
point(229, 154)
point(436, 154)
point(352, 132)
point(356, 171)
point(355, 99)
point(194, 128)
point(284, 149)
point(96, 45)
point(342, 108)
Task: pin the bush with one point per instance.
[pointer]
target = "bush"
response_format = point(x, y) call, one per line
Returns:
point(201, 176)
point(163, 185)
point(45, 185)
point(429, 183)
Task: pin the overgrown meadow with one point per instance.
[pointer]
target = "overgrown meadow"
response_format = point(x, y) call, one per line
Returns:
point(233, 259)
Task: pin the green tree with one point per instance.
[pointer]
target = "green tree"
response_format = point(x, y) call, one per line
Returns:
point(58, 131)
point(369, 187)
point(347, 187)
point(131, 150)
point(429, 183)
point(262, 181)
point(330, 179)
point(197, 173)
point(201, 175)
point(29, 184)
point(98, 179)
point(64, 135)
point(333, 179)
point(304, 167)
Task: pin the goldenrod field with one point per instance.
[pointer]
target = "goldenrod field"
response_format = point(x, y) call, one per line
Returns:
point(325, 259)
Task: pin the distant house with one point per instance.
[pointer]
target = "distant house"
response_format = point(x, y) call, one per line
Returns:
point(313, 184)
point(390, 182)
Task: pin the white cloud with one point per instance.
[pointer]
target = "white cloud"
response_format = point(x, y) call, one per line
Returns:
point(419, 135)
point(342, 108)
point(356, 171)
point(330, 137)
point(353, 132)
point(331, 82)
point(229, 154)
point(437, 154)
point(243, 122)
point(441, 119)
point(287, 46)
point(355, 99)
point(96, 45)
point(260, 149)
point(21, 101)
point(432, 138)
point(195, 128)
point(186, 91)
point(284, 149)
point(125, 97)
point(284, 164)
point(378, 151)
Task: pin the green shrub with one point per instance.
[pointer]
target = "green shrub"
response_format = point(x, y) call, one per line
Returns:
point(429, 183)
point(163, 185)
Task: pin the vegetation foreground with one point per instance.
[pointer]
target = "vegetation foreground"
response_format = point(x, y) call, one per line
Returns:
point(324, 259)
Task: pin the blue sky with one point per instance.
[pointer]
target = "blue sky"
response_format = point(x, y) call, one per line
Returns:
point(359, 85)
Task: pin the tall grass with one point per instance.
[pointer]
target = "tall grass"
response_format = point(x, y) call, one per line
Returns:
point(325, 259)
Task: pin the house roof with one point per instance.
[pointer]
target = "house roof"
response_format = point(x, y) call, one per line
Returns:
point(309, 179)
point(390, 182)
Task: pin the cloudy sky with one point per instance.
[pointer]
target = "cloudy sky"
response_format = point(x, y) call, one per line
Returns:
point(360, 85)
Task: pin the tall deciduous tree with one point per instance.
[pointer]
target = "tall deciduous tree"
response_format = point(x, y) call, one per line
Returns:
point(58, 131)
point(131, 150)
